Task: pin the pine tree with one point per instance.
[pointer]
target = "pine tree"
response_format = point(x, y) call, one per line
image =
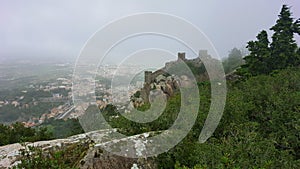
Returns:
point(282, 52)
point(256, 61)
point(283, 46)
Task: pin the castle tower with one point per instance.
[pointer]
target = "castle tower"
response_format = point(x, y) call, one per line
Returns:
point(148, 77)
point(146, 88)
point(181, 56)
point(203, 53)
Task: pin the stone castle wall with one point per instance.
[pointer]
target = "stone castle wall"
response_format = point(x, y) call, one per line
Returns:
point(151, 76)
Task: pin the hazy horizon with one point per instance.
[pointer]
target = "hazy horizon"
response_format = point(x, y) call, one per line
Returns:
point(44, 30)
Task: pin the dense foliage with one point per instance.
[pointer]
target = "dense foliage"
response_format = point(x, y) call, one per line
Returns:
point(51, 129)
point(67, 158)
point(259, 129)
point(18, 133)
point(63, 128)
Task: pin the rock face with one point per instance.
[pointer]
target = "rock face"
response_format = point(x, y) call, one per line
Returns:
point(96, 157)
point(8, 155)
point(161, 85)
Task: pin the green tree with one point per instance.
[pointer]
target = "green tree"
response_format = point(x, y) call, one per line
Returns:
point(265, 57)
point(20, 133)
point(4, 134)
point(256, 61)
point(17, 132)
point(234, 60)
point(283, 46)
point(43, 133)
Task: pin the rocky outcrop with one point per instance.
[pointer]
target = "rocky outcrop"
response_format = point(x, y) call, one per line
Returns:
point(99, 159)
point(161, 85)
point(96, 156)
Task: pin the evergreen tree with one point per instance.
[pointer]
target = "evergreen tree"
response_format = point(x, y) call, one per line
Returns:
point(283, 45)
point(256, 61)
point(234, 60)
point(281, 53)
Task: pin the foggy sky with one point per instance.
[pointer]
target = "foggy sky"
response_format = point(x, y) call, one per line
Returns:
point(35, 28)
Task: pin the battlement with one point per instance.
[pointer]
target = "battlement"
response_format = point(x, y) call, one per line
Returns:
point(181, 56)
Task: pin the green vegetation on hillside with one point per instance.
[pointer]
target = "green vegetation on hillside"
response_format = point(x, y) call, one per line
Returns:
point(51, 129)
point(259, 128)
point(63, 128)
point(67, 158)
point(18, 133)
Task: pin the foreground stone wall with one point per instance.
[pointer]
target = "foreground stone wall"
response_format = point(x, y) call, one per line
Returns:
point(96, 157)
